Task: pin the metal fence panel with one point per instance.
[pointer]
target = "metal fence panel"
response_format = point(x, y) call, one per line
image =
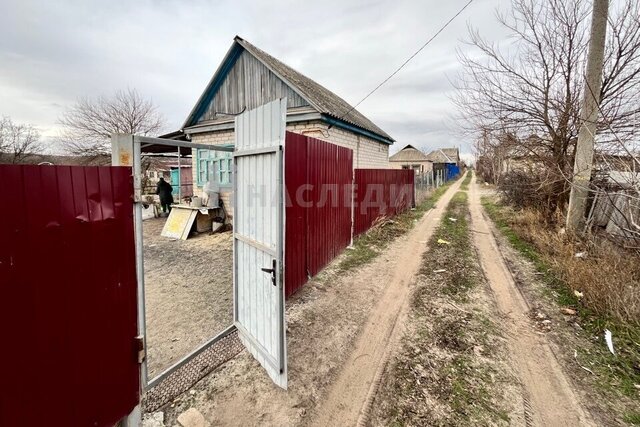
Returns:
point(381, 193)
point(318, 177)
point(68, 306)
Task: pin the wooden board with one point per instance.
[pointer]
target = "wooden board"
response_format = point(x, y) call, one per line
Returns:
point(179, 223)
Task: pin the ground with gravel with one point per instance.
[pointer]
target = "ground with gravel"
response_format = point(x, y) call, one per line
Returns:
point(188, 292)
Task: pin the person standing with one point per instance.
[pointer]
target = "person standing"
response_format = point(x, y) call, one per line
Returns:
point(165, 191)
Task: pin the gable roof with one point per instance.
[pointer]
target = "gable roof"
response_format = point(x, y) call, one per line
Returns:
point(334, 109)
point(452, 153)
point(409, 154)
point(439, 156)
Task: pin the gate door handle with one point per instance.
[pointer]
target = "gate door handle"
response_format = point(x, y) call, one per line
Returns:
point(272, 271)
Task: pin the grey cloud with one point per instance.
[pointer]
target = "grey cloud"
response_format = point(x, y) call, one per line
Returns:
point(51, 53)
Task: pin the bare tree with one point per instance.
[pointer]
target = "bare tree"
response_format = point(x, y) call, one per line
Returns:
point(18, 141)
point(88, 125)
point(531, 87)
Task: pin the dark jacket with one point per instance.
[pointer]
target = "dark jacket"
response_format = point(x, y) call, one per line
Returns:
point(164, 190)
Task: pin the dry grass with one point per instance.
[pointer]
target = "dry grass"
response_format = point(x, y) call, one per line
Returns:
point(608, 277)
point(370, 244)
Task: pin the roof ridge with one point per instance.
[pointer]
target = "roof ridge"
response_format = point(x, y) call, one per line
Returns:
point(403, 154)
point(324, 100)
point(445, 154)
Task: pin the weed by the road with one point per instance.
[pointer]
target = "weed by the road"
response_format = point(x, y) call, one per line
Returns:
point(466, 182)
point(445, 372)
point(455, 230)
point(632, 418)
point(609, 284)
point(369, 245)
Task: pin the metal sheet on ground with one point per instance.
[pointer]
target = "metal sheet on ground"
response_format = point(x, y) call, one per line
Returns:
point(258, 236)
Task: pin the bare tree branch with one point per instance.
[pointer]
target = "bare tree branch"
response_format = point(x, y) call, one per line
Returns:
point(89, 123)
point(528, 91)
point(18, 141)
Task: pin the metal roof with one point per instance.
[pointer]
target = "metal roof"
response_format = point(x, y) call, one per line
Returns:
point(452, 153)
point(409, 154)
point(439, 156)
point(320, 98)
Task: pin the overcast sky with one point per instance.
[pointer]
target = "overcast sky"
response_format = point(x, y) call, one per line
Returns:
point(53, 52)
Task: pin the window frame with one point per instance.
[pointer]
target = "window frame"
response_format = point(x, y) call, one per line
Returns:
point(214, 161)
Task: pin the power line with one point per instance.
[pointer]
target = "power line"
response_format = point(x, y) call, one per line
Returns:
point(407, 61)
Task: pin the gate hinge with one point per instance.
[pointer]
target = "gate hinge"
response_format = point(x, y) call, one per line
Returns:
point(139, 345)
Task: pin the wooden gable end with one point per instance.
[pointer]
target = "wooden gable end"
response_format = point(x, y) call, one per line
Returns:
point(248, 84)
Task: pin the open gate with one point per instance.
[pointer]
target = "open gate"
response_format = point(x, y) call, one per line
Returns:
point(258, 251)
point(258, 236)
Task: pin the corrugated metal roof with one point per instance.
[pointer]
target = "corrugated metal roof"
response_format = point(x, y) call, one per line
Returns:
point(438, 156)
point(319, 97)
point(452, 153)
point(409, 154)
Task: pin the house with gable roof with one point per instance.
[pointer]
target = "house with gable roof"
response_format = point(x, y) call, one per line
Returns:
point(446, 160)
point(249, 77)
point(410, 157)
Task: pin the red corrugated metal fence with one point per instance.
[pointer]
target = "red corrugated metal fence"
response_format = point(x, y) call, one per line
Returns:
point(68, 296)
point(320, 184)
point(381, 193)
point(318, 177)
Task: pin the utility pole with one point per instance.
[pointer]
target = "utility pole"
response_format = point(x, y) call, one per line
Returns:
point(588, 118)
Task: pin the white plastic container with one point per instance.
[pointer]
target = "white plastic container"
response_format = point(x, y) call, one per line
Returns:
point(196, 202)
point(213, 201)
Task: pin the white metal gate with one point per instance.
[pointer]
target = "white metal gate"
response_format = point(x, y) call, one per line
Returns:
point(258, 223)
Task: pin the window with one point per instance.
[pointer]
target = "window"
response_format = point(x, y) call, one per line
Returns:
point(215, 164)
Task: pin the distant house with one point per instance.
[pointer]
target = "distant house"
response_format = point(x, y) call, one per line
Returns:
point(446, 160)
point(411, 158)
point(178, 174)
point(249, 77)
point(445, 156)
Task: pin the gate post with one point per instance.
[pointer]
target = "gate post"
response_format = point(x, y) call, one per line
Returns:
point(125, 151)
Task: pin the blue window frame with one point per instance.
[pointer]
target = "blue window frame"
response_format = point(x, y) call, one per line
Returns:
point(218, 164)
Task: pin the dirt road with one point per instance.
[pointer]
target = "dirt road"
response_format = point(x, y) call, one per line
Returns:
point(548, 395)
point(349, 397)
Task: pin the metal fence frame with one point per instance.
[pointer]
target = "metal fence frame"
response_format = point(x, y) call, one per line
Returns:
point(127, 150)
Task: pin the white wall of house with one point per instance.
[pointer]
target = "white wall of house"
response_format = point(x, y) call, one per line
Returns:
point(367, 152)
point(418, 166)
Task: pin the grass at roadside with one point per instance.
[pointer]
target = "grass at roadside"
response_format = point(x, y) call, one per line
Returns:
point(370, 244)
point(447, 371)
point(618, 376)
point(467, 181)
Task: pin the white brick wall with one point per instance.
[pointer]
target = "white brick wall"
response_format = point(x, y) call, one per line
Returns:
point(367, 152)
